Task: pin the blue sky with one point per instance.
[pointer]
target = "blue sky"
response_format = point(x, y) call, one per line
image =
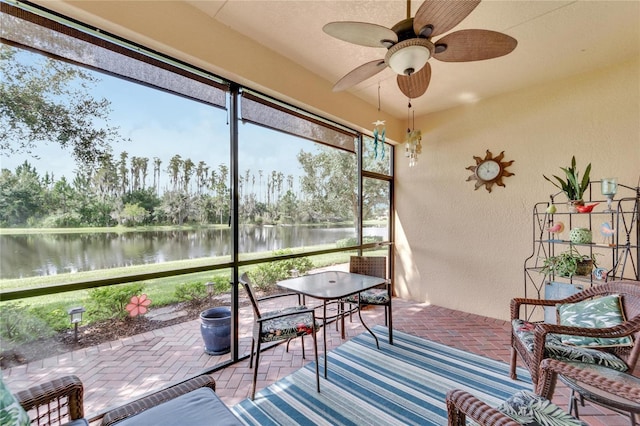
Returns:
point(161, 125)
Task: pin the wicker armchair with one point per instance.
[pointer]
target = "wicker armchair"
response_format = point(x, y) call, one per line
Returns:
point(544, 342)
point(462, 405)
point(55, 402)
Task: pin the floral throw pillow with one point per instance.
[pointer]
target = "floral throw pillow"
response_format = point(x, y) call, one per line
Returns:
point(11, 412)
point(602, 312)
point(529, 409)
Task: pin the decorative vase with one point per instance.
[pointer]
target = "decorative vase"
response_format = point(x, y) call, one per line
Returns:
point(572, 205)
point(584, 267)
point(215, 327)
point(580, 236)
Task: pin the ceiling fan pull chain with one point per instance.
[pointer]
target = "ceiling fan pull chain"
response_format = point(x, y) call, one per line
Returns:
point(413, 122)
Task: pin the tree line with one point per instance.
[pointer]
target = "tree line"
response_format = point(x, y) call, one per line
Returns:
point(129, 191)
point(51, 102)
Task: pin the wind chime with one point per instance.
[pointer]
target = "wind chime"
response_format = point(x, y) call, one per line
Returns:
point(379, 133)
point(413, 145)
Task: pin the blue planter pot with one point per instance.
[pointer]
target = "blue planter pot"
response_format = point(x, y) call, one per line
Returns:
point(215, 327)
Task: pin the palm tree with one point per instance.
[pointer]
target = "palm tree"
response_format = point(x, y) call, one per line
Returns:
point(175, 165)
point(188, 166)
point(144, 163)
point(123, 172)
point(201, 175)
point(156, 174)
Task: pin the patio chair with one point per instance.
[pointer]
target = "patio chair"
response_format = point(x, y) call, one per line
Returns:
point(584, 332)
point(59, 401)
point(525, 407)
point(283, 324)
point(375, 266)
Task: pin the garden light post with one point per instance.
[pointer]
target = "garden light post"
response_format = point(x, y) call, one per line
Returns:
point(75, 316)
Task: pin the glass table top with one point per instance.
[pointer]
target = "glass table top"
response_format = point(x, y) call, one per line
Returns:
point(600, 395)
point(331, 284)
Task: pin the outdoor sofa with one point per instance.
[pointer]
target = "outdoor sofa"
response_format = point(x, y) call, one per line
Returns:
point(60, 401)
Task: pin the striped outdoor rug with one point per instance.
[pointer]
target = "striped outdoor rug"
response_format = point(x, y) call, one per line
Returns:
point(403, 384)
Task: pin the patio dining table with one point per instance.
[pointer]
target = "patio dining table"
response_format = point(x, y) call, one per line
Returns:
point(332, 286)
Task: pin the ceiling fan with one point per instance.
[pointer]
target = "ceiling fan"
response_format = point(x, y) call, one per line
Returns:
point(409, 44)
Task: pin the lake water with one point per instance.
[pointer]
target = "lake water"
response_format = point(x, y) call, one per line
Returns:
point(49, 254)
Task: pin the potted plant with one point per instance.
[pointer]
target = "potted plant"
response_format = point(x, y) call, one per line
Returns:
point(572, 185)
point(569, 263)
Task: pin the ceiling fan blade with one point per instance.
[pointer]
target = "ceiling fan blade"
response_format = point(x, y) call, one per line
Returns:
point(413, 86)
point(360, 74)
point(443, 15)
point(474, 45)
point(361, 33)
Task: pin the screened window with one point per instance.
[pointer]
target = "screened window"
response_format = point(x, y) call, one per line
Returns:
point(164, 163)
point(297, 183)
point(120, 169)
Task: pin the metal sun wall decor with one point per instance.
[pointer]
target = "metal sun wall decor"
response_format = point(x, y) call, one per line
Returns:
point(489, 171)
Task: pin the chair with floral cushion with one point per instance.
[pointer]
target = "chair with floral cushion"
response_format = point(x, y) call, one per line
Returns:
point(530, 408)
point(375, 266)
point(283, 324)
point(600, 325)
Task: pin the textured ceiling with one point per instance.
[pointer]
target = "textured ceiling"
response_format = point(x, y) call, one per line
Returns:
point(556, 39)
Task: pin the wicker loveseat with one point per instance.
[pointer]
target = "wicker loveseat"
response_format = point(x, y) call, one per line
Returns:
point(533, 342)
point(60, 401)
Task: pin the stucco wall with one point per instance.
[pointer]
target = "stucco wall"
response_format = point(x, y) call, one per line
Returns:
point(465, 249)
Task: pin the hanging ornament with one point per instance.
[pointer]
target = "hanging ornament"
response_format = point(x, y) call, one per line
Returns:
point(413, 145)
point(379, 136)
point(379, 133)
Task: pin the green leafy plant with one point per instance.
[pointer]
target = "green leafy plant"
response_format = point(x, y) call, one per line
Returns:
point(266, 275)
point(569, 263)
point(197, 290)
point(191, 292)
point(350, 242)
point(572, 185)
point(19, 325)
point(221, 284)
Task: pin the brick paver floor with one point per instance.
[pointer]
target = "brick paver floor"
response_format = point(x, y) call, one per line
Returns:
point(116, 372)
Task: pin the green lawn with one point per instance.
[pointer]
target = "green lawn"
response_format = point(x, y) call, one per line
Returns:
point(52, 309)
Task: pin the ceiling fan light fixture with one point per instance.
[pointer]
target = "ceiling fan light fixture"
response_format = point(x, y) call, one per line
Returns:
point(409, 56)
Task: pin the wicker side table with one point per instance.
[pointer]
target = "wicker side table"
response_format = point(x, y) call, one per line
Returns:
point(603, 397)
